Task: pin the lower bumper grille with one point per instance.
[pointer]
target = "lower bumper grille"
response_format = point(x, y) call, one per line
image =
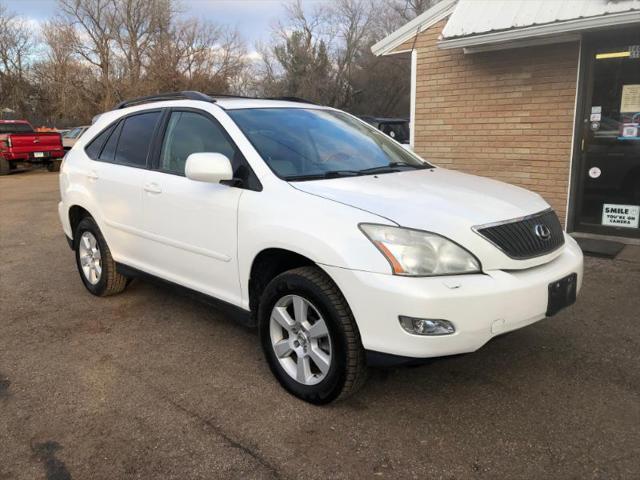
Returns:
point(526, 237)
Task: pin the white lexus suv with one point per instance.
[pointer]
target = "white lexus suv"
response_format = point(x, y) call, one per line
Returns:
point(345, 249)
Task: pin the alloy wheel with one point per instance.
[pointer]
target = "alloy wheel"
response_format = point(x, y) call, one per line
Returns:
point(90, 258)
point(300, 339)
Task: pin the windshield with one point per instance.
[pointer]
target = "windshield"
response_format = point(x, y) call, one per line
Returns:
point(302, 144)
point(72, 133)
point(15, 128)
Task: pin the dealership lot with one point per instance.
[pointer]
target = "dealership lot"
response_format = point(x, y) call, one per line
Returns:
point(152, 384)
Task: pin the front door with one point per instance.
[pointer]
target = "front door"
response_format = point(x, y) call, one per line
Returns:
point(608, 199)
point(192, 226)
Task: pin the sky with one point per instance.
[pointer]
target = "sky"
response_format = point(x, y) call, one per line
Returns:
point(253, 18)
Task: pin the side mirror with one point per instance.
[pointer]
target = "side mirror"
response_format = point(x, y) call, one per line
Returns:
point(208, 167)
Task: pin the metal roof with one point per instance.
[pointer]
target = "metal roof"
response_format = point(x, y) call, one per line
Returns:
point(409, 30)
point(474, 17)
point(478, 24)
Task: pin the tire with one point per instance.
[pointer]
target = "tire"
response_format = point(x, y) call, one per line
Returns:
point(5, 166)
point(53, 166)
point(347, 369)
point(109, 281)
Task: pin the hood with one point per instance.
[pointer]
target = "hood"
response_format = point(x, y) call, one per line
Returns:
point(437, 200)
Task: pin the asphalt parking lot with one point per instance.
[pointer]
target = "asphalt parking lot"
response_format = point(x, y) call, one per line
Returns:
point(152, 384)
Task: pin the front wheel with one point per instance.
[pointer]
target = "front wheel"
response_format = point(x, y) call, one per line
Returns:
point(310, 338)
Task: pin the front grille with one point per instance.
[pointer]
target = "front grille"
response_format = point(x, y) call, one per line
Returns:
point(525, 237)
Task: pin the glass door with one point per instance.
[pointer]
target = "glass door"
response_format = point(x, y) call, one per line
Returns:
point(608, 199)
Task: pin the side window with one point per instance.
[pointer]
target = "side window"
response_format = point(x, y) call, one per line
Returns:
point(109, 151)
point(135, 139)
point(190, 132)
point(94, 147)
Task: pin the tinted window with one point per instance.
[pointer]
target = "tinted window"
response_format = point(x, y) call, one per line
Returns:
point(15, 128)
point(135, 139)
point(189, 132)
point(109, 151)
point(297, 142)
point(93, 149)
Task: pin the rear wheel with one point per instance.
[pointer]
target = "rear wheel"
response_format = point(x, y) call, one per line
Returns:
point(96, 266)
point(5, 166)
point(310, 338)
point(53, 166)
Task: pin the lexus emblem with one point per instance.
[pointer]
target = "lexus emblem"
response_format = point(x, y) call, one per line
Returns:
point(542, 231)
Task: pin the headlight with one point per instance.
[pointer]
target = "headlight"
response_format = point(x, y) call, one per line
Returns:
point(418, 253)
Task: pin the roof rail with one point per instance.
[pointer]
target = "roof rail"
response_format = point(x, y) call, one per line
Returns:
point(291, 99)
point(185, 95)
point(284, 98)
point(229, 95)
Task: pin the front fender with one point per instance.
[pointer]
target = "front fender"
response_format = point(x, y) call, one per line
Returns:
point(322, 230)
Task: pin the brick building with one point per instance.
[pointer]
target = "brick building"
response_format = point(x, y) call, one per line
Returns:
point(539, 93)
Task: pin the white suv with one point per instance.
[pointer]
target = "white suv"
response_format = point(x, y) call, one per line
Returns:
point(344, 248)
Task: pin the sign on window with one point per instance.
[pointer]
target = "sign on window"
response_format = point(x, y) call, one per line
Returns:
point(620, 215)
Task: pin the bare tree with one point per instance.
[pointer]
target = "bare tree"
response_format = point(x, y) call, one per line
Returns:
point(144, 46)
point(298, 61)
point(136, 23)
point(16, 46)
point(95, 24)
point(65, 84)
point(324, 55)
point(96, 52)
point(191, 54)
point(353, 19)
point(409, 9)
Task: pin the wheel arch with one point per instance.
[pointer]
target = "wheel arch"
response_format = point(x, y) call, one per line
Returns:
point(266, 265)
point(76, 213)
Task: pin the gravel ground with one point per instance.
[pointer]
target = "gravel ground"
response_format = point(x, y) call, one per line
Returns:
point(152, 384)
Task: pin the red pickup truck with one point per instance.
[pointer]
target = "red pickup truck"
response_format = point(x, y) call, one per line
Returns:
point(20, 144)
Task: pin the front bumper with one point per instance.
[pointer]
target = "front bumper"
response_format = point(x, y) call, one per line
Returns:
point(480, 306)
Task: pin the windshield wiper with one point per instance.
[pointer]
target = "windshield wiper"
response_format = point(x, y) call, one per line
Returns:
point(392, 167)
point(328, 174)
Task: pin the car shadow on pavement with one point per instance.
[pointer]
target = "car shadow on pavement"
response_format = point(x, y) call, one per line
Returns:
point(54, 468)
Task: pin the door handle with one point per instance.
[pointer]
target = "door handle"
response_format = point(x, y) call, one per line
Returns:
point(152, 188)
point(92, 176)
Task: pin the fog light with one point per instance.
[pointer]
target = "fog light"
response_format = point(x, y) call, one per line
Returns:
point(426, 326)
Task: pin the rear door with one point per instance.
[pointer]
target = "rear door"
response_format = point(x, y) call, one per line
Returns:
point(116, 177)
point(192, 226)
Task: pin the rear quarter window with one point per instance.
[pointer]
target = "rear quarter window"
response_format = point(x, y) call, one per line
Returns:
point(95, 146)
point(108, 153)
